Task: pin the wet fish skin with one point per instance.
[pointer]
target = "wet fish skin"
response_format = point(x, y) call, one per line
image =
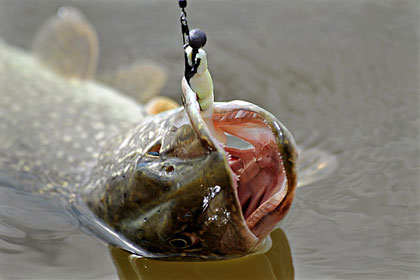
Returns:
point(52, 128)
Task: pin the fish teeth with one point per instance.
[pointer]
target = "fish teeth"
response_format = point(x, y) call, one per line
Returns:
point(229, 156)
point(240, 114)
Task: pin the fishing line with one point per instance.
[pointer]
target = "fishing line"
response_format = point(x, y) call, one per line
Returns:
point(184, 23)
point(195, 39)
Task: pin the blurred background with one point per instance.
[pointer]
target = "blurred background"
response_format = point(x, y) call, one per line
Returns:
point(343, 76)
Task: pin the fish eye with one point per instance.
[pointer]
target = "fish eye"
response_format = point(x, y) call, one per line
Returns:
point(154, 151)
point(183, 240)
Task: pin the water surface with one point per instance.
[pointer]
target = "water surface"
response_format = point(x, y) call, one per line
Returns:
point(343, 77)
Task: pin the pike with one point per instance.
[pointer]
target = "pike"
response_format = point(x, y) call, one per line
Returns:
point(178, 184)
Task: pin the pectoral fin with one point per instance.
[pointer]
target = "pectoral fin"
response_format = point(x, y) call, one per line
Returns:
point(141, 81)
point(68, 44)
point(160, 104)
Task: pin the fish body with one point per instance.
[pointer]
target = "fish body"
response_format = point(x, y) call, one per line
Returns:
point(161, 186)
point(53, 128)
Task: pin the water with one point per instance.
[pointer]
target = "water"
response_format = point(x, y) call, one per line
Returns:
point(274, 264)
point(344, 78)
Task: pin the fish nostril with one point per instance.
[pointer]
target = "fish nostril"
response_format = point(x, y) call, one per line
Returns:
point(179, 243)
point(169, 169)
point(183, 240)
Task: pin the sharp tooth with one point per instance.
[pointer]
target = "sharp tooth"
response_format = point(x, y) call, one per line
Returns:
point(240, 114)
point(217, 117)
point(254, 115)
point(231, 116)
point(222, 118)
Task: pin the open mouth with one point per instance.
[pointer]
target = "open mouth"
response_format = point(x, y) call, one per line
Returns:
point(256, 164)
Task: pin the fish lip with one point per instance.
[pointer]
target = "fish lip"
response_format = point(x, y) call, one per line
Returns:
point(285, 144)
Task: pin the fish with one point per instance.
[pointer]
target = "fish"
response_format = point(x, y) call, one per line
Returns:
point(157, 185)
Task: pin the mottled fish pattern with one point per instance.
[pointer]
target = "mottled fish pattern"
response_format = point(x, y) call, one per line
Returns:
point(53, 128)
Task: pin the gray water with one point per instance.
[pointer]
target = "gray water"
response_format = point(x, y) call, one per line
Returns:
point(342, 75)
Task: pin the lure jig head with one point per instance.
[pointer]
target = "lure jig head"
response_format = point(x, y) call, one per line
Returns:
point(195, 39)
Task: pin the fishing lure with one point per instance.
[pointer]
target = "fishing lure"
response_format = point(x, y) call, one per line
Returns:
point(197, 73)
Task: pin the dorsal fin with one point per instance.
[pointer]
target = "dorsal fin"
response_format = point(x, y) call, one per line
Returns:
point(68, 44)
point(141, 81)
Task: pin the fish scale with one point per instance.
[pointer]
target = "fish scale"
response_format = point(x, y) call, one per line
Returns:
point(39, 111)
